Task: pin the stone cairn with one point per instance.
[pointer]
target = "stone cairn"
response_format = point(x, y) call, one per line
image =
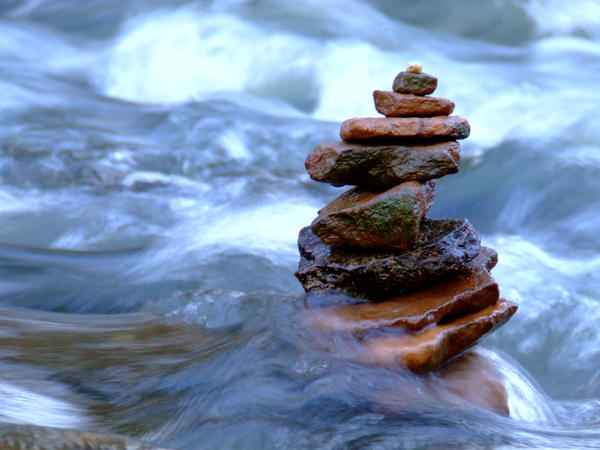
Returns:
point(423, 289)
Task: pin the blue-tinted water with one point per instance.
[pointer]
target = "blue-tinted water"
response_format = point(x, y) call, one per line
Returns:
point(152, 186)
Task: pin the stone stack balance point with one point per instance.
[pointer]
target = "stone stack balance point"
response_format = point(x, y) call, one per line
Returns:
point(424, 288)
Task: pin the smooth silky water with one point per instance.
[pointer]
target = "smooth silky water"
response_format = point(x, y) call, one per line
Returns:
point(152, 187)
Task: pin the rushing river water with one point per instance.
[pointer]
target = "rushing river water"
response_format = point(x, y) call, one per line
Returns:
point(152, 187)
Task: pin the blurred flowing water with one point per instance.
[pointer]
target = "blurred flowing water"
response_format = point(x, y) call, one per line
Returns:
point(152, 187)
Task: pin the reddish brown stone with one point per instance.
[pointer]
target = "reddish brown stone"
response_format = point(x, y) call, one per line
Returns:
point(405, 128)
point(427, 350)
point(415, 83)
point(393, 104)
point(373, 219)
point(342, 163)
point(457, 295)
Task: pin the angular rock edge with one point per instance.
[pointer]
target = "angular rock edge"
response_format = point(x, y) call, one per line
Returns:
point(428, 350)
point(446, 247)
point(343, 163)
point(456, 295)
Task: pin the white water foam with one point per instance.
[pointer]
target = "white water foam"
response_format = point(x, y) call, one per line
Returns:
point(185, 55)
point(525, 402)
point(23, 406)
point(554, 333)
point(177, 56)
point(565, 17)
point(206, 230)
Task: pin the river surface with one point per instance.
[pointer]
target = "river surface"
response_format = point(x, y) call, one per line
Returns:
point(152, 187)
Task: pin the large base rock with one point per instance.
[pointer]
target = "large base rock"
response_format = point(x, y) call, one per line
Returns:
point(373, 219)
point(446, 246)
point(341, 163)
point(456, 295)
point(396, 129)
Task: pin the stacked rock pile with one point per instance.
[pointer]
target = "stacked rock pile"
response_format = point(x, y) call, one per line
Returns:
point(424, 286)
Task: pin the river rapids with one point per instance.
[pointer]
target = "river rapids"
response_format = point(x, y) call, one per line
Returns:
point(152, 188)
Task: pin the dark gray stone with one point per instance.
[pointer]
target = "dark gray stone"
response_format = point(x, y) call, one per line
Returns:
point(445, 246)
point(415, 83)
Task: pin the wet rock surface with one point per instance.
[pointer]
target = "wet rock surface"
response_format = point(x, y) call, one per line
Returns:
point(414, 83)
point(393, 104)
point(396, 129)
point(445, 246)
point(341, 163)
point(373, 219)
point(428, 350)
point(471, 379)
point(456, 295)
point(468, 381)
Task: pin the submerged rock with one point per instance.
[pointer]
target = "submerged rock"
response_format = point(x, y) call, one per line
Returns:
point(393, 104)
point(446, 246)
point(373, 219)
point(471, 379)
point(458, 294)
point(414, 83)
point(341, 163)
point(13, 436)
point(405, 128)
point(428, 350)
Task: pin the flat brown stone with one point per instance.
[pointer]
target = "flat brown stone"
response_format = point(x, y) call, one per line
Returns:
point(414, 83)
point(405, 128)
point(393, 104)
point(373, 219)
point(462, 293)
point(341, 163)
point(428, 350)
point(445, 247)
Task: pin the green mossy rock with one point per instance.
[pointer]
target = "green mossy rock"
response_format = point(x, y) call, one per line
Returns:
point(415, 83)
point(369, 218)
